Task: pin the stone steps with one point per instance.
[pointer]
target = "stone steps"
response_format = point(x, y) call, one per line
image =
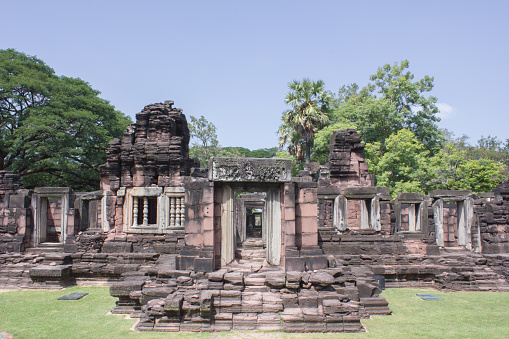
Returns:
point(46, 248)
point(251, 250)
point(454, 250)
point(248, 296)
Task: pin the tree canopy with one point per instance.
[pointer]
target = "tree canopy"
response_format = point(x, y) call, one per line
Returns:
point(309, 113)
point(407, 166)
point(54, 130)
point(205, 144)
point(406, 151)
point(392, 101)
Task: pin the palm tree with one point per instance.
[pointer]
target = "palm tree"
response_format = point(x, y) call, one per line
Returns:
point(309, 113)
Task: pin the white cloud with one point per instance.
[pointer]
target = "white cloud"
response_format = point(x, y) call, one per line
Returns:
point(446, 110)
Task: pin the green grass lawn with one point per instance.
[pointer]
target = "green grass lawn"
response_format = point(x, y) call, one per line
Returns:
point(38, 314)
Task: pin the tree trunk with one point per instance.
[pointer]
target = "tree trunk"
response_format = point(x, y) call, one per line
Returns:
point(2, 157)
point(307, 166)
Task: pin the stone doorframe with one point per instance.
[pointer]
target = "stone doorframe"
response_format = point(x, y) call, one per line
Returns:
point(244, 202)
point(417, 212)
point(271, 218)
point(84, 202)
point(40, 211)
point(465, 217)
point(249, 174)
point(369, 198)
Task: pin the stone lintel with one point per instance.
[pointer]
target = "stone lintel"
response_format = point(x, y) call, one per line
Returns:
point(411, 198)
point(329, 191)
point(367, 192)
point(174, 190)
point(450, 195)
point(250, 170)
point(146, 191)
point(49, 191)
point(252, 196)
point(95, 195)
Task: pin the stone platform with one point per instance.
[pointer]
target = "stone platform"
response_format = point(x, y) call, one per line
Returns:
point(249, 296)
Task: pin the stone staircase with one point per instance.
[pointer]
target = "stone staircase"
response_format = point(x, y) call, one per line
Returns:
point(251, 250)
point(48, 247)
point(454, 250)
point(249, 294)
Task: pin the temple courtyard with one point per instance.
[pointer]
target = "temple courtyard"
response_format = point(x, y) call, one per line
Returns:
point(38, 314)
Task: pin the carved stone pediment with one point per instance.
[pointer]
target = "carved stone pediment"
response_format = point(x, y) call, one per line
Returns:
point(250, 170)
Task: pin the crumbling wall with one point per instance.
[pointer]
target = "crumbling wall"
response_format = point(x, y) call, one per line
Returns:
point(347, 165)
point(493, 218)
point(15, 213)
point(154, 151)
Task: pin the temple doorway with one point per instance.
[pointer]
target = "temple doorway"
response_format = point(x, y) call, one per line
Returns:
point(250, 226)
point(254, 222)
point(251, 223)
point(51, 209)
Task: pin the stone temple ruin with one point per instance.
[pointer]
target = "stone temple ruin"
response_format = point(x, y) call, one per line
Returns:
point(242, 244)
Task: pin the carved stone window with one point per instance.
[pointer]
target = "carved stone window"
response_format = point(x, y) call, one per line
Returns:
point(175, 208)
point(154, 209)
point(144, 211)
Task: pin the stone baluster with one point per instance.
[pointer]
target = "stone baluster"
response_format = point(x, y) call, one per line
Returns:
point(172, 212)
point(135, 211)
point(145, 211)
point(177, 212)
point(182, 211)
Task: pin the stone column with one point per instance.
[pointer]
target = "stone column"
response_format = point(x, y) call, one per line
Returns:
point(438, 215)
point(374, 219)
point(289, 223)
point(412, 225)
point(465, 216)
point(272, 219)
point(227, 226)
point(365, 222)
point(340, 216)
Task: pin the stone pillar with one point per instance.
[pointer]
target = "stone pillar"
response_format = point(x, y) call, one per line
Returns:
point(306, 213)
point(374, 219)
point(289, 214)
point(340, 213)
point(412, 225)
point(465, 216)
point(227, 226)
point(272, 219)
point(438, 215)
point(365, 222)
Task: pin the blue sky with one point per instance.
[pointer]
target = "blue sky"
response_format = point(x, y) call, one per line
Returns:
point(231, 61)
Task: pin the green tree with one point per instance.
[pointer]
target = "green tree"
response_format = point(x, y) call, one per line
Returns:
point(309, 113)
point(407, 166)
point(454, 169)
point(54, 130)
point(403, 166)
point(263, 153)
point(205, 144)
point(391, 102)
point(246, 153)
